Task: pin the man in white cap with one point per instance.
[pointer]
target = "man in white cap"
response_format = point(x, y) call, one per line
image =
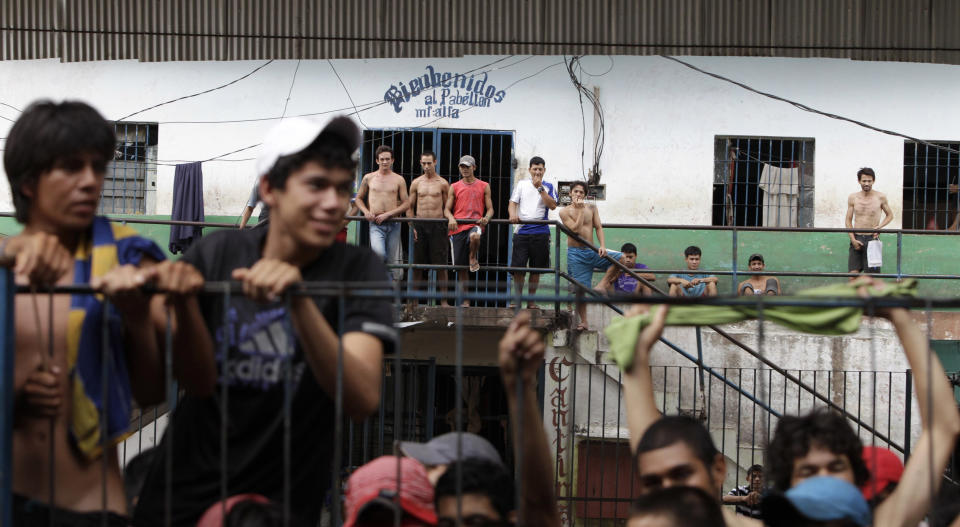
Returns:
point(306, 175)
point(470, 199)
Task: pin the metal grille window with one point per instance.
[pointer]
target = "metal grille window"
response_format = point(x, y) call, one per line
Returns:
point(763, 181)
point(133, 171)
point(930, 197)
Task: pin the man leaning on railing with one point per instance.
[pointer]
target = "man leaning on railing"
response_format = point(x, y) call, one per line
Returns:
point(55, 159)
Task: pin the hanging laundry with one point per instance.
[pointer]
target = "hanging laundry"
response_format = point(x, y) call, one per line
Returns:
point(187, 206)
point(781, 191)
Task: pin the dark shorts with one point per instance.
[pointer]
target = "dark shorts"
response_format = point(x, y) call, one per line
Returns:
point(433, 244)
point(857, 259)
point(531, 250)
point(30, 513)
point(460, 246)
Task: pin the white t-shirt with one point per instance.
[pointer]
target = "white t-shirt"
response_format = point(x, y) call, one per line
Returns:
point(530, 205)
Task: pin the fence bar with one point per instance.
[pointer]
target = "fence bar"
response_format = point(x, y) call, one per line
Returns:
point(907, 414)
point(899, 255)
point(733, 263)
point(7, 351)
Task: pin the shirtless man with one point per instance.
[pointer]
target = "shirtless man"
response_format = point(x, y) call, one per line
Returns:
point(55, 159)
point(583, 218)
point(469, 198)
point(863, 211)
point(383, 195)
point(758, 284)
point(428, 195)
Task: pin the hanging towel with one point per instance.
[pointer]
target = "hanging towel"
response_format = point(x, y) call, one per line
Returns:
point(781, 187)
point(843, 320)
point(108, 246)
point(187, 206)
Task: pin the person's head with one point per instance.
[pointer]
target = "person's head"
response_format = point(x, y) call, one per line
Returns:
point(383, 155)
point(692, 256)
point(428, 162)
point(55, 157)
point(756, 263)
point(676, 507)
point(438, 453)
point(820, 443)
point(822, 501)
point(578, 189)
point(244, 510)
point(885, 470)
point(467, 165)
point(755, 477)
point(866, 177)
point(487, 494)
point(629, 252)
point(306, 171)
point(677, 451)
point(372, 497)
point(537, 167)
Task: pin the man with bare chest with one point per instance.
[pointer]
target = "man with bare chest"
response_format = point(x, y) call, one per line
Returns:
point(863, 212)
point(428, 195)
point(55, 159)
point(383, 195)
point(583, 218)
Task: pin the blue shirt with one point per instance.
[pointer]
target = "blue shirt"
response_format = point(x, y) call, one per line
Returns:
point(696, 290)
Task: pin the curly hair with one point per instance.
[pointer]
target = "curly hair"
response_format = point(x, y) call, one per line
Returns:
point(796, 434)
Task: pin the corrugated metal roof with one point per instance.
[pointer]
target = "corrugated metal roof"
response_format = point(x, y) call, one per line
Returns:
point(167, 30)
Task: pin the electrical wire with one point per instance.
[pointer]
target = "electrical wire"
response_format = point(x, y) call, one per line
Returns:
point(234, 81)
point(350, 97)
point(289, 91)
point(572, 66)
point(806, 108)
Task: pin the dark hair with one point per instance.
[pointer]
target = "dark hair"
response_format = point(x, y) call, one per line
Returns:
point(537, 160)
point(381, 149)
point(249, 513)
point(672, 429)
point(328, 149)
point(866, 171)
point(629, 248)
point(683, 505)
point(754, 468)
point(693, 250)
point(47, 133)
point(755, 257)
point(430, 153)
point(578, 184)
point(479, 476)
point(135, 475)
point(796, 434)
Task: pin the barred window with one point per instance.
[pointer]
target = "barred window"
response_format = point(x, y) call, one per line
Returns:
point(763, 181)
point(930, 197)
point(133, 170)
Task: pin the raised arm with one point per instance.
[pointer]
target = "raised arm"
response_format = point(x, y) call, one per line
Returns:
point(547, 198)
point(641, 407)
point(940, 422)
point(849, 219)
point(521, 355)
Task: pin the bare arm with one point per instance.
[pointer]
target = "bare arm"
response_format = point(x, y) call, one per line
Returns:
point(709, 280)
point(641, 408)
point(677, 280)
point(887, 213)
point(512, 212)
point(520, 355)
point(572, 218)
point(849, 218)
point(362, 196)
point(245, 217)
point(401, 198)
point(548, 199)
point(921, 476)
point(448, 211)
point(488, 204)
point(601, 241)
point(412, 199)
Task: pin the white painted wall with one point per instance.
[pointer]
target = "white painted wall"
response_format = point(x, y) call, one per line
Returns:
point(661, 117)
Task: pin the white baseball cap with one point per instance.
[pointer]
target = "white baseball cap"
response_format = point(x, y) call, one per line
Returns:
point(295, 134)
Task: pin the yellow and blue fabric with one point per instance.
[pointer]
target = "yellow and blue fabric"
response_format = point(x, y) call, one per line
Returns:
point(107, 246)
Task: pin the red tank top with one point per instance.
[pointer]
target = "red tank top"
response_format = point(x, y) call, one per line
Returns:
point(468, 202)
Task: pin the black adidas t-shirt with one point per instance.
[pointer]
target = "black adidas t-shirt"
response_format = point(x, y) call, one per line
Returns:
point(260, 337)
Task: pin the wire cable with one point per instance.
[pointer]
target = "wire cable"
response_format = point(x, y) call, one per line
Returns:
point(292, 82)
point(806, 108)
point(234, 81)
point(350, 97)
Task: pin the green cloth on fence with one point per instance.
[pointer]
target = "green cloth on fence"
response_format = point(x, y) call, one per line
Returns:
point(623, 332)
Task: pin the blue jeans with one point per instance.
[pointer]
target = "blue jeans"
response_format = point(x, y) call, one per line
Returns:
point(385, 240)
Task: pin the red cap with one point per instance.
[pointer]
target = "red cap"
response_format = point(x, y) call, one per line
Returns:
point(214, 516)
point(885, 468)
point(377, 482)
